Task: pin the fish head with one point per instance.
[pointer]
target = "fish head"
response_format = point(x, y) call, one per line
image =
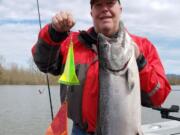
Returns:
point(114, 53)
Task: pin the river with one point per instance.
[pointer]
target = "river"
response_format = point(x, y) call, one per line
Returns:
point(25, 110)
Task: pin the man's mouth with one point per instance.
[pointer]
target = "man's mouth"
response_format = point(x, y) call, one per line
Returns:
point(105, 17)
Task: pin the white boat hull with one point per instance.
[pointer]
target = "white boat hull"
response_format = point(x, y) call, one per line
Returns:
point(162, 128)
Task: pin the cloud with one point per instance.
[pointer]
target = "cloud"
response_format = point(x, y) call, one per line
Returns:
point(172, 66)
point(16, 42)
point(157, 20)
point(170, 56)
point(152, 17)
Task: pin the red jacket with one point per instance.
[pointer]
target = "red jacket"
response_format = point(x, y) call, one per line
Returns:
point(50, 55)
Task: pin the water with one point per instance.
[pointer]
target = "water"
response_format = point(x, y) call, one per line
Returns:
point(151, 116)
point(24, 111)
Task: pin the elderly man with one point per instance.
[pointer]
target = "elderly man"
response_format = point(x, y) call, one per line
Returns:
point(50, 55)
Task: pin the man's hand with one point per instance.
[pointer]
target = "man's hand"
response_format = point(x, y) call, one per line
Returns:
point(62, 21)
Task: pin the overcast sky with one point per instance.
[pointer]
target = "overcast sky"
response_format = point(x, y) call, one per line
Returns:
point(158, 20)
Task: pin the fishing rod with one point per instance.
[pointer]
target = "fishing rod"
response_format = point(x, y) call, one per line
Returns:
point(166, 111)
point(47, 77)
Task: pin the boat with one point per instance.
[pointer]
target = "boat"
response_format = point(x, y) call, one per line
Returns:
point(171, 127)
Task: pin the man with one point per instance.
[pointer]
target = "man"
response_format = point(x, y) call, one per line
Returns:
point(50, 55)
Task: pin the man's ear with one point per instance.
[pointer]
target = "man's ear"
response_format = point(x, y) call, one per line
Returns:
point(91, 13)
point(121, 8)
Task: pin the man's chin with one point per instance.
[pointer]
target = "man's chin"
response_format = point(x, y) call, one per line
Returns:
point(106, 29)
point(106, 25)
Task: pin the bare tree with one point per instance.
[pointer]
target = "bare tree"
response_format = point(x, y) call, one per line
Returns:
point(32, 66)
point(2, 61)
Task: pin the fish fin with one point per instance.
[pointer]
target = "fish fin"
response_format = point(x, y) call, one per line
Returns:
point(98, 131)
point(130, 80)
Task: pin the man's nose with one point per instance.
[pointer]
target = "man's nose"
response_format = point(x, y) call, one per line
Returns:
point(104, 7)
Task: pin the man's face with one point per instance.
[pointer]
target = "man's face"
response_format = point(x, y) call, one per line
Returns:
point(106, 16)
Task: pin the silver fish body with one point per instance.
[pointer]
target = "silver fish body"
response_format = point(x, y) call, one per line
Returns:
point(119, 110)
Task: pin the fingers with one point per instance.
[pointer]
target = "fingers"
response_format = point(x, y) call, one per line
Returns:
point(62, 21)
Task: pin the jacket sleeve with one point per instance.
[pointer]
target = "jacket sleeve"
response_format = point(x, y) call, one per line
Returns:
point(154, 84)
point(46, 52)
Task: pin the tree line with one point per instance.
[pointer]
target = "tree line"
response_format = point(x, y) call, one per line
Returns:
point(13, 74)
point(174, 79)
point(32, 76)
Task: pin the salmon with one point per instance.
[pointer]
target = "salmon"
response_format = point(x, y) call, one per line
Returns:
point(119, 111)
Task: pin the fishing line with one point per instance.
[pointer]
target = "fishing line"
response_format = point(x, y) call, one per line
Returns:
point(47, 77)
point(39, 15)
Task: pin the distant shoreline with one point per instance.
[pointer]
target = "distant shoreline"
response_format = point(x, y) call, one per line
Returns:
point(32, 76)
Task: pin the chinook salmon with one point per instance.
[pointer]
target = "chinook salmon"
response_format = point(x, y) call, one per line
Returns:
point(119, 111)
